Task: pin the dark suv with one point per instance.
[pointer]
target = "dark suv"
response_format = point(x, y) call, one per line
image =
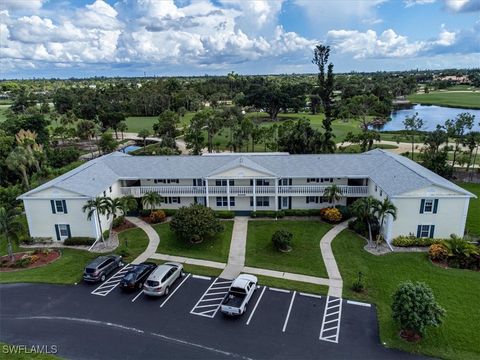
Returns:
point(101, 267)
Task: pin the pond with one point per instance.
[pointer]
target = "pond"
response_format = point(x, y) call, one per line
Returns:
point(431, 115)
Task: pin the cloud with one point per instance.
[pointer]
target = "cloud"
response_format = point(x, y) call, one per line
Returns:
point(410, 3)
point(389, 44)
point(462, 5)
point(21, 5)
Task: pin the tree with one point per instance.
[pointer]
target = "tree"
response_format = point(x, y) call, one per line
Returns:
point(412, 125)
point(113, 207)
point(282, 239)
point(365, 139)
point(414, 308)
point(107, 143)
point(333, 193)
point(151, 199)
point(34, 122)
point(298, 137)
point(96, 207)
point(433, 156)
point(194, 137)
point(364, 210)
point(381, 211)
point(195, 223)
point(122, 127)
point(166, 128)
point(472, 141)
point(321, 54)
point(10, 228)
point(265, 94)
point(20, 160)
point(129, 203)
point(144, 133)
point(213, 124)
point(456, 129)
point(86, 131)
point(111, 120)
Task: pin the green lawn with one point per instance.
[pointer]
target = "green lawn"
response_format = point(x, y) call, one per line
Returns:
point(137, 123)
point(473, 219)
point(292, 285)
point(454, 99)
point(3, 109)
point(305, 257)
point(194, 269)
point(456, 290)
point(215, 249)
point(68, 268)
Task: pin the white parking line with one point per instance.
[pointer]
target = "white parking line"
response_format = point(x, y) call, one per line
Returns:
point(358, 303)
point(256, 304)
point(174, 291)
point(289, 310)
point(332, 318)
point(279, 290)
point(207, 301)
point(201, 277)
point(108, 286)
point(311, 295)
point(135, 298)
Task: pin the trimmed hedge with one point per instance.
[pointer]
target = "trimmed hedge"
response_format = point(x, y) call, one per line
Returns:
point(170, 212)
point(224, 214)
point(79, 241)
point(300, 212)
point(118, 221)
point(407, 241)
point(267, 214)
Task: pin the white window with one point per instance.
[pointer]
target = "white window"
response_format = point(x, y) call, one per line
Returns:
point(59, 206)
point(428, 207)
point(262, 182)
point(222, 201)
point(263, 201)
point(425, 231)
point(224, 182)
point(312, 199)
point(284, 202)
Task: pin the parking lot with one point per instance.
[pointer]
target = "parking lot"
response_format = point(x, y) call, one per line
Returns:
point(278, 323)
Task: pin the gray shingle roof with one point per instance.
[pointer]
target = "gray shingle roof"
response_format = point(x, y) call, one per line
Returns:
point(395, 174)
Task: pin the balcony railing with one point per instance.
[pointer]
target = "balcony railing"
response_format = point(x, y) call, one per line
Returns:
point(318, 190)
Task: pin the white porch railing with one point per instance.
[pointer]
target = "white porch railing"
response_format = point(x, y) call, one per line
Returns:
point(139, 191)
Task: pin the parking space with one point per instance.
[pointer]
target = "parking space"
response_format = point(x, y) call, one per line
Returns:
point(108, 286)
point(212, 298)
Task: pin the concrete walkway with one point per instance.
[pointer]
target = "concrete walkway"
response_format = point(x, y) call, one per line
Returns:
point(336, 282)
point(185, 260)
point(238, 245)
point(153, 238)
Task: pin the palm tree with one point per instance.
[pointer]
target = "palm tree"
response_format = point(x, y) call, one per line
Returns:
point(122, 127)
point(333, 193)
point(10, 228)
point(144, 133)
point(151, 199)
point(382, 210)
point(114, 206)
point(96, 206)
point(363, 209)
point(20, 159)
point(129, 203)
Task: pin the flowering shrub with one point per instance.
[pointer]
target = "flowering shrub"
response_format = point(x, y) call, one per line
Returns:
point(332, 215)
point(438, 252)
point(157, 216)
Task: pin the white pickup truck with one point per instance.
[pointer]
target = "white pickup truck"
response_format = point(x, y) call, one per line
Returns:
point(240, 293)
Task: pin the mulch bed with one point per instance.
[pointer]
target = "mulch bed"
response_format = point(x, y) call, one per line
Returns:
point(43, 259)
point(444, 265)
point(125, 226)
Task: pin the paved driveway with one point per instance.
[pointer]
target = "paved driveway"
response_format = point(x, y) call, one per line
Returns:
point(278, 324)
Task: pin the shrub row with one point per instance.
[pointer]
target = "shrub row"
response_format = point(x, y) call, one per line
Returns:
point(79, 241)
point(267, 214)
point(407, 241)
point(224, 214)
point(300, 212)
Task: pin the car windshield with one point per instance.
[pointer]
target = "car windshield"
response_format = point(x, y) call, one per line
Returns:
point(152, 283)
point(89, 270)
point(129, 277)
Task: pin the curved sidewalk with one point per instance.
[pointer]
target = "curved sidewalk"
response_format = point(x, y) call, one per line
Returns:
point(336, 283)
point(153, 239)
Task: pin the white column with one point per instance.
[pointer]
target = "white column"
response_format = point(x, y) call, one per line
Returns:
point(228, 194)
point(206, 193)
point(254, 195)
point(276, 194)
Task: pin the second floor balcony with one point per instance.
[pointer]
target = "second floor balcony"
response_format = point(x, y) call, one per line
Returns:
point(288, 190)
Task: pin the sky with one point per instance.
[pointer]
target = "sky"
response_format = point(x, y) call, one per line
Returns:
point(84, 38)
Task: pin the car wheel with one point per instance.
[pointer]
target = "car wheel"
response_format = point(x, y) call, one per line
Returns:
point(103, 278)
point(167, 290)
point(140, 285)
point(120, 264)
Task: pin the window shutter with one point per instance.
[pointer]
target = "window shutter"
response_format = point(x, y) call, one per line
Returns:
point(179, 199)
point(419, 230)
point(64, 207)
point(316, 199)
point(422, 206)
point(435, 206)
point(251, 182)
point(432, 230)
point(307, 199)
point(52, 203)
point(289, 181)
point(251, 201)
point(57, 231)
point(194, 182)
point(68, 232)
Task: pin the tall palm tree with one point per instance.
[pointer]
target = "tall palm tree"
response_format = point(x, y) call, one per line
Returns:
point(382, 210)
point(151, 199)
point(113, 207)
point(363, 209)
point(10, 228)
point(333, 193)
point(20, 160)
point(129, 203)
point(96, 207)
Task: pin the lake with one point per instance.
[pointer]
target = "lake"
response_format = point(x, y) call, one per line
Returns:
point(431, 115)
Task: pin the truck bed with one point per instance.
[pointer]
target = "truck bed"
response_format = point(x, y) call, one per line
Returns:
point(234, 300)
